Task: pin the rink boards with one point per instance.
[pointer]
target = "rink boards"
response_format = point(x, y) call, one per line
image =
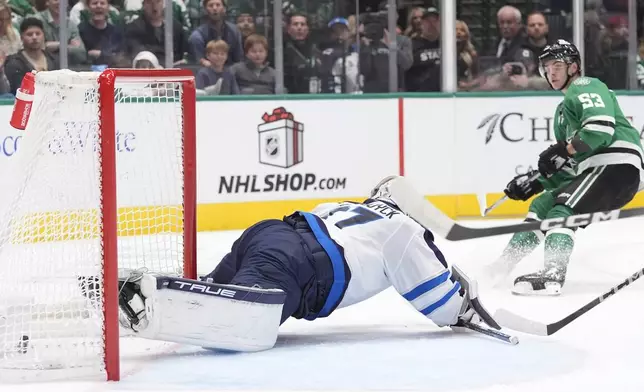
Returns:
point(263, 158)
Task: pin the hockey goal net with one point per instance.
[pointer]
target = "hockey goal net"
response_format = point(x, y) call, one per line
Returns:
point(103, 180)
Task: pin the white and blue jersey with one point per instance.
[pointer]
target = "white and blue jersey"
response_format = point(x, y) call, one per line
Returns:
point(383, 247)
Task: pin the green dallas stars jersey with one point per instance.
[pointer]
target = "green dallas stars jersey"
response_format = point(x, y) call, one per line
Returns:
point(590, 110)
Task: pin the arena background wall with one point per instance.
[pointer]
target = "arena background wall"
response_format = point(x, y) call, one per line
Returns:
point(264, 157)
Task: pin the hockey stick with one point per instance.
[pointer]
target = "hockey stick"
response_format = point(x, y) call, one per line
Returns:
point(495, 204)
point(433, 219)
point(522, 324)
point(489, 332)
point(505, 197)
point(414, 205)
point(456, 232)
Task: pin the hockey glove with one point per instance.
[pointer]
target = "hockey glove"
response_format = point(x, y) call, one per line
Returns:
point(522, 188)
point(553, 158)
point(472, 311)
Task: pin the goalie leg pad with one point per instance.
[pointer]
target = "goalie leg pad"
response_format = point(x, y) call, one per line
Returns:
point(210, 315)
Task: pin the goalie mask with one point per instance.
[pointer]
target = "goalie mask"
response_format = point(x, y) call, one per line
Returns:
point(381, 191)
point(562, 51)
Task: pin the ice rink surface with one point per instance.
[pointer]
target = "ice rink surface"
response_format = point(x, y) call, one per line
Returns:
point(384, 344)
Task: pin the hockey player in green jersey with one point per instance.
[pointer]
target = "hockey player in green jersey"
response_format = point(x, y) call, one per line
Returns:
point(596, 165)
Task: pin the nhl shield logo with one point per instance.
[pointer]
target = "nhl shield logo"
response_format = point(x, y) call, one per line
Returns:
point(272, 146)
point(280, 139)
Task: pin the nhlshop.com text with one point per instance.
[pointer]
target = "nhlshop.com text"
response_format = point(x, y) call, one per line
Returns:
point(294, 182)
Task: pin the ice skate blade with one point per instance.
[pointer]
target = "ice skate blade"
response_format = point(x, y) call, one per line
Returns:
point(525, 288)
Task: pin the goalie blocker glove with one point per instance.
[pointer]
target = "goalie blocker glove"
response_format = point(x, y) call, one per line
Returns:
point(472, 310)
point(524, 186)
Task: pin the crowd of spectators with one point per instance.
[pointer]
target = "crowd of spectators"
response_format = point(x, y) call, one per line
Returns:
point(230, 47)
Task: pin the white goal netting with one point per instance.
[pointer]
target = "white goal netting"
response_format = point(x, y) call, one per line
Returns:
point(51, 239)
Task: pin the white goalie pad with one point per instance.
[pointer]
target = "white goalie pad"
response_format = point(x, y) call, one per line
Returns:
point(402, 193)
point(211, 315)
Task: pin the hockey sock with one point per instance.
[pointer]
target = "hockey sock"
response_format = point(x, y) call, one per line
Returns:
point(559, 244)
point(521, 245)
point(558, 248)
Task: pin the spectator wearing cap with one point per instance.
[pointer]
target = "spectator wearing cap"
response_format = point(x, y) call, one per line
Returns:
point(338, 69)
point(51, 24)
point(301, 58)
point(375, 50)
point(425, 73)
point(253, 75)
point(146, 60)
point(216, 79)
point(214, 28)
point(32, 56)
point(148, 33)
point(102, 39)
point(340, 28)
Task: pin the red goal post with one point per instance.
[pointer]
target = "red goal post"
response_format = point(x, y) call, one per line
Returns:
point(107, 83)
point(105, 179)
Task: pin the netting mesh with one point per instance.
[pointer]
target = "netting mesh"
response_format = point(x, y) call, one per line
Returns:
point(51, 257)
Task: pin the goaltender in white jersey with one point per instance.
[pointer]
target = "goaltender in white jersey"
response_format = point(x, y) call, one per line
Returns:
point(384, 247)
point(306, 266)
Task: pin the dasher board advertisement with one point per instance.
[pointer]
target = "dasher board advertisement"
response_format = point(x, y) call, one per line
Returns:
point(286, 150)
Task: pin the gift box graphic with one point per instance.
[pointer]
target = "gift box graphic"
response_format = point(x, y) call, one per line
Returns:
point(281, 141)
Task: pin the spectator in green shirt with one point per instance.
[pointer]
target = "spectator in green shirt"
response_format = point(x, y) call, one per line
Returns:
point(50, 18)
point(20, 9)
point(134, 9)
point(81, 13)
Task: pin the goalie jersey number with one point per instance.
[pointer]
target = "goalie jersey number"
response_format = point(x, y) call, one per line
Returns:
point(362, 214)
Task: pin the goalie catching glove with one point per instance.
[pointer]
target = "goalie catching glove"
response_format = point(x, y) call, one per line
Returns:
point(524, 186)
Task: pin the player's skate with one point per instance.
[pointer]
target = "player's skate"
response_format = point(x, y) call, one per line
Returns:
point(545, 282)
